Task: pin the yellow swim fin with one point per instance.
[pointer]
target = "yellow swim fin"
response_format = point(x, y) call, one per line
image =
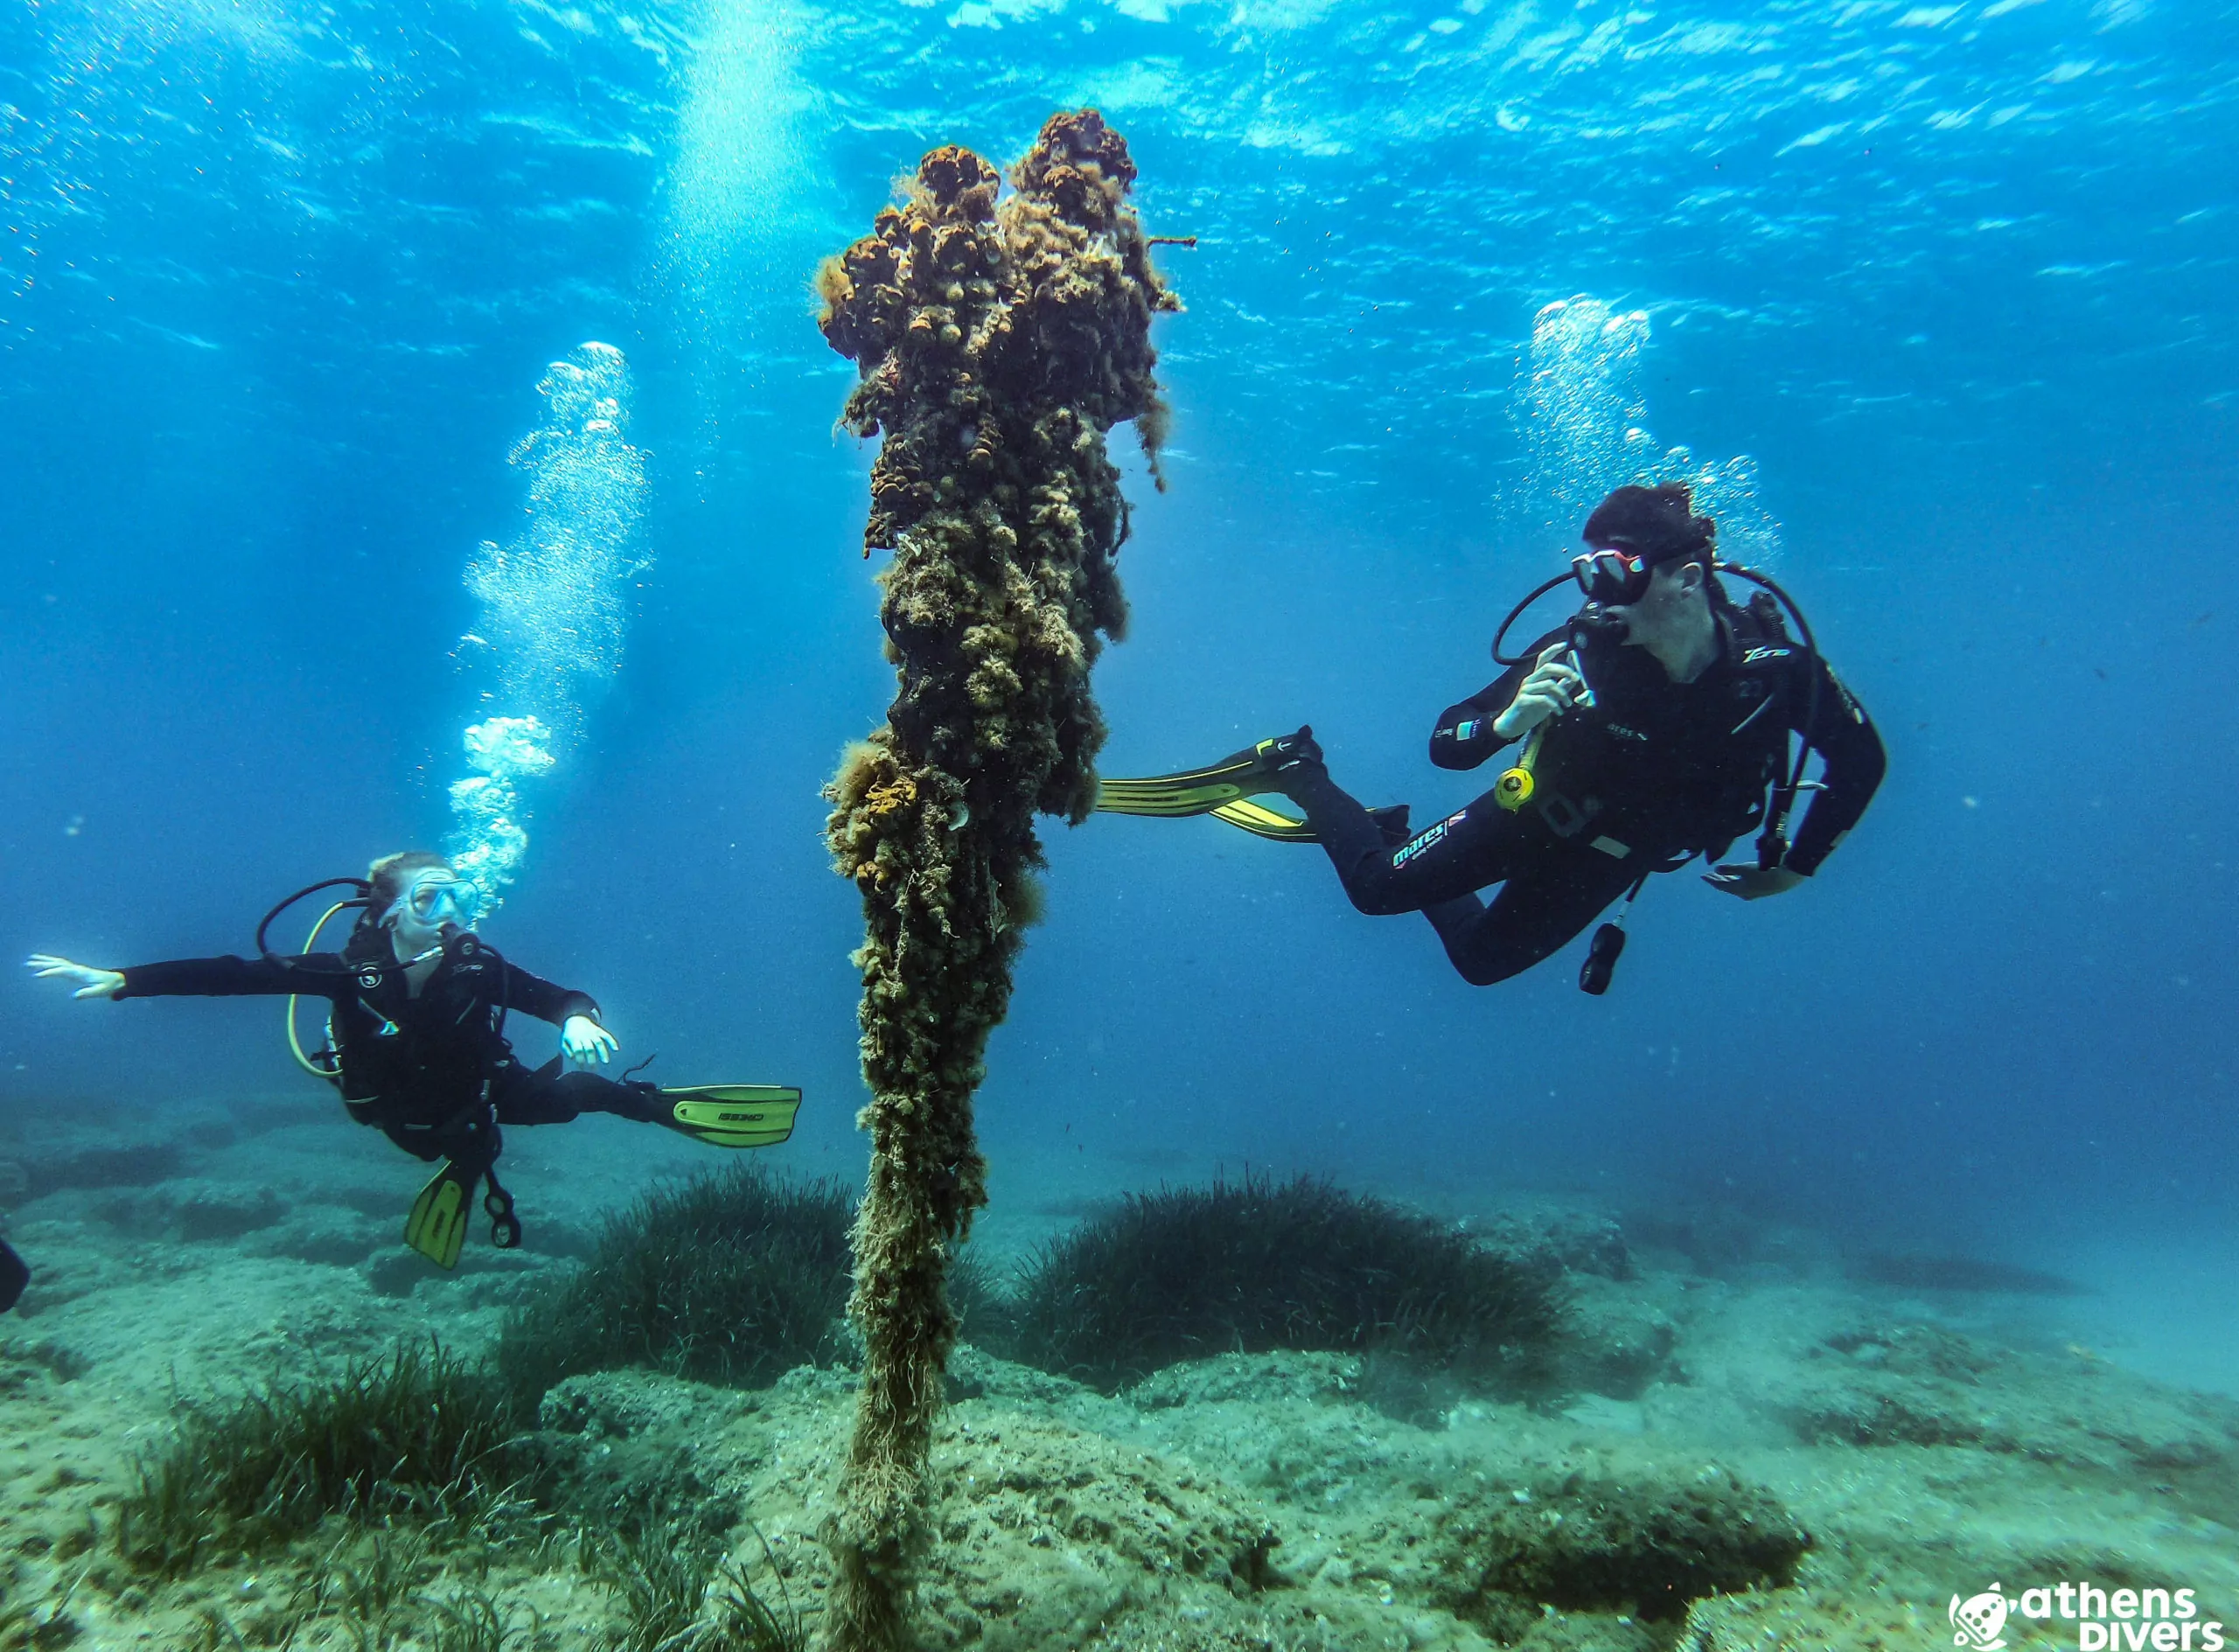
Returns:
point(734, 1115)
point(1263, 822)
point(437, 1227)
point(1248, 773)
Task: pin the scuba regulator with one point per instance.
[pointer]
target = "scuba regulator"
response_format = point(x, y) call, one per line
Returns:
point(1591, 624)
point(1617, 576)
point(325, 1064)
point(456, 942)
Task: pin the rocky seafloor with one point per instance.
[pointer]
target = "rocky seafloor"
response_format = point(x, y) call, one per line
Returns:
point(1733, 1452)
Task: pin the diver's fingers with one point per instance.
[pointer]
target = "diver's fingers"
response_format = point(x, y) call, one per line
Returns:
point(92, 983)
point(1548, 701)
point(1556, 675)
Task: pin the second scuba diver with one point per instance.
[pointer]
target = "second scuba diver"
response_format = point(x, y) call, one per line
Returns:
point(1653, 727)
point(417, 1029)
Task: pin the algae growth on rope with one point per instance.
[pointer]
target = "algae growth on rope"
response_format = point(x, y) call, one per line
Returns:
point(998, 343)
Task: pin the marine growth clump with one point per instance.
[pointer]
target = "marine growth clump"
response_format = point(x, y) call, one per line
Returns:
point(999, 341)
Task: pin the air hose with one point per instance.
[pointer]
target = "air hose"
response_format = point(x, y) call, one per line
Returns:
point(295, 1044)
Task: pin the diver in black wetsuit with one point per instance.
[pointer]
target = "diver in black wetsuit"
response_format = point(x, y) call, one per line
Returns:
point(1659, 735)
point(1653, 727)
point(417, 1024)
point(418, 1002)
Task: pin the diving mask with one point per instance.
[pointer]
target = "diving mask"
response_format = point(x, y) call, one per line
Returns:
point(436, 898)
point(1615, 577)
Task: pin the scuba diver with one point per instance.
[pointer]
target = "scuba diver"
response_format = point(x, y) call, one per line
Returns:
point(417, 1045)
point(1651, 727)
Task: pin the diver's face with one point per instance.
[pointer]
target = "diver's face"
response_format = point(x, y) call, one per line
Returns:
point(433, 901)
point(1675, 593)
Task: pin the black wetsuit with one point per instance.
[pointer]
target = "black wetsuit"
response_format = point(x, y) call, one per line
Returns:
point(435, 1071)
point(1652, 774)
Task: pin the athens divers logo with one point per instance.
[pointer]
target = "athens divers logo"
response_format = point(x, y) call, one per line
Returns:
point(2150, 1620)
point(1979, 1621)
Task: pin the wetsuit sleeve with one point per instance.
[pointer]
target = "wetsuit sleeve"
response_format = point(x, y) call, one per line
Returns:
point(313, 975)
point(1464, 736)
point(1847, 742)
point(533, 995)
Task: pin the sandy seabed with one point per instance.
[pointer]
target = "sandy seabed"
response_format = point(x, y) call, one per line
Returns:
point(1751, 1447)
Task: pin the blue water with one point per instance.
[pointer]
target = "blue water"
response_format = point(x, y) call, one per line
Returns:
point(278, 284)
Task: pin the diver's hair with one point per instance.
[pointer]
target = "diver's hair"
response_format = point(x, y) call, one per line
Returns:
point(1658, 523)
point(391, 873)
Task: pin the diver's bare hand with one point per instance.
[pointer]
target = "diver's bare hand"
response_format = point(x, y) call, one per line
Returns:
point(1552, 689)
point(585, 1042)
point(92, 983)
point(1754, 882)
